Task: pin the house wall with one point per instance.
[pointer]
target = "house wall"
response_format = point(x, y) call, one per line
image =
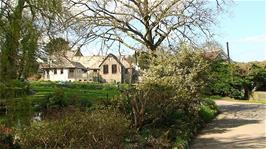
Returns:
point(78, 74)
point(93, 75)
point(58, 76)
point(110, 77)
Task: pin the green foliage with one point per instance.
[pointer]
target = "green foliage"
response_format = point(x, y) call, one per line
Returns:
point(178, 77)
point(81, 95)
point(14, 88)
point(56, 46)
point(143, 59)
point(28, 64)
point(20, 31)
point(208, 110)
point(259, 77)
point(166, 104)
point(96, 129)
point(206, 113)
point(220, 78)
point(58, 98)
point(235, 80)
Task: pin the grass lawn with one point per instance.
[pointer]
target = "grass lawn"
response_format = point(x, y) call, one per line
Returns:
point(88, 91)
point(23, 108)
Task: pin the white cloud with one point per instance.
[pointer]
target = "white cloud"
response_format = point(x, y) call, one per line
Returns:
point(252, 39)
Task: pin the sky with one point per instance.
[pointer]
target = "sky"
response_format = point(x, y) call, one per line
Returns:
point(244, 28)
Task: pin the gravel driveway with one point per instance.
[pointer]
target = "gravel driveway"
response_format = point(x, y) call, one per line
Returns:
point(240, 125)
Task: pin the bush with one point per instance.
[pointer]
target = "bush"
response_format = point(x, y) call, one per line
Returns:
point(55, 99)
point(173, 82)
point(166, 104)
point(208, 110)
point(97, 129)
point(236, 80)
point(206, 113)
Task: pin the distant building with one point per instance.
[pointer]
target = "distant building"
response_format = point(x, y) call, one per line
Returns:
point(117, 69)
point(73, 66)
point(215, 54)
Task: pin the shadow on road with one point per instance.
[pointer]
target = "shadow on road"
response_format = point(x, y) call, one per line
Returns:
point(236, 143)
point(232, 116)
point(222, 125)
point(241, 107)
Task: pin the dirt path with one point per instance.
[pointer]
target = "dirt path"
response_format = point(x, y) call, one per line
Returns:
point(240, 125)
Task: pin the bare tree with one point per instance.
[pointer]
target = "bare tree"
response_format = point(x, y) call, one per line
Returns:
point(212, 46)
point(148, 23)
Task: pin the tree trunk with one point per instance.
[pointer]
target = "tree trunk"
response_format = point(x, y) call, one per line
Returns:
point(9, 58)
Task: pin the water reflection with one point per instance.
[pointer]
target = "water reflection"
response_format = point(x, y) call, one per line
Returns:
point(37, 117)
point(18, 112)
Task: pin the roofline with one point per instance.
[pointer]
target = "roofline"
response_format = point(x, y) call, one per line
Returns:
point(110, 54)
point(61, 67)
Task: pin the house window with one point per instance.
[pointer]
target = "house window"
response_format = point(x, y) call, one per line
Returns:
point(61, 71)
point(126, 71)
point(94, 70)
point(55, 71)
point(114, 68)
point(105, 69)
point(71, 70)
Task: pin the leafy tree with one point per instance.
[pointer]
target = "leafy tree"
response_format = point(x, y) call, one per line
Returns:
point(235, 80)
point(259, 77)
point(220, 76)
point(21, 23)
point(29, 46)
point(57, 45)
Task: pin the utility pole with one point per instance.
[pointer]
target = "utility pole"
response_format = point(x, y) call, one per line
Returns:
point(229, 61)
point(228, 53)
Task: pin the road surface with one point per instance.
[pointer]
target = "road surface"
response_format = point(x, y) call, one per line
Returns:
point(239, 126)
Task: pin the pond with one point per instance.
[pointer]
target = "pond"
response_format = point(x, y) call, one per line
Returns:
point(18, 112)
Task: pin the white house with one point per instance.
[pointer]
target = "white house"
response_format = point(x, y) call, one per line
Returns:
point(62, 69)
point(73, 66)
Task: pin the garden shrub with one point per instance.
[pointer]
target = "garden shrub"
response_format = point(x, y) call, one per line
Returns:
point(206, 113)
point(57, 99)
point(208, 110)
point(172, 82)
point(167, 102)
point(96, 129)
